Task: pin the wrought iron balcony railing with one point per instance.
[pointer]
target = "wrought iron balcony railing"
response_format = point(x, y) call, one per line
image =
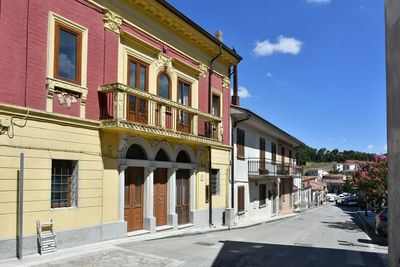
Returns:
point(269, 168)
point(125, 106)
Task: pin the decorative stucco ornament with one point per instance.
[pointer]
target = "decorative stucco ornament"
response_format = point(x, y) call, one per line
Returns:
point(66, 99)
point(203, 70)
point(112, 21)
point(226, 82)
point(164, 61)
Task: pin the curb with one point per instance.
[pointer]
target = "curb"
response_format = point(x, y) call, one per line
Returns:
point(206, 231)
point(366, 225)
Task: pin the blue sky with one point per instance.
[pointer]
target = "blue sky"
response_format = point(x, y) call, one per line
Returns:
point(314, 68)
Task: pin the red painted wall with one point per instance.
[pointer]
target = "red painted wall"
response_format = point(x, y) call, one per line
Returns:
point(22, 23)
point(23, 70)
point(13, 52)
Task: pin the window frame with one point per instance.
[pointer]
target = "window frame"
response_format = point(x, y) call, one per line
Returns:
point(190, 90)
point(219, 103)
point(138, 63)
point(240, 147)
point(78, 70)
point(169, 84)
point(72, 185)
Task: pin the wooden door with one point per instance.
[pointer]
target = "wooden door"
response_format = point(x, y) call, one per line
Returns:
point(133, 214)
point(261, 168)
point(160, 196)
point(183, 196)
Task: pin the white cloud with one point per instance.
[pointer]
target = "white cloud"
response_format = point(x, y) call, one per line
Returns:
point(269, 74)
point(385, 147)
point(318, 1)
point(243, 92)
point(344, 140)
point(370, 147)
point(283, 45)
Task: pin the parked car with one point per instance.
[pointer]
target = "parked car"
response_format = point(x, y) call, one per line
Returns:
point(331, 197)
point(381, 223)
point(351, 201)
point(341, 199)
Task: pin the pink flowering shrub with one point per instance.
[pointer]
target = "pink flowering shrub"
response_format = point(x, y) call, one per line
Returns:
point(371, 180)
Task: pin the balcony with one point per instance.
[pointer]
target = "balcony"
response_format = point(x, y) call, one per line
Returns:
point(126, 108)
point(266, 168)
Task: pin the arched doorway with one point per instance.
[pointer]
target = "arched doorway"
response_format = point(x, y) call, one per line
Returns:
point(133, 190)
point(183, 189)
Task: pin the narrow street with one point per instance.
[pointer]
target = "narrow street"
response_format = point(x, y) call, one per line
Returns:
point(326, 236)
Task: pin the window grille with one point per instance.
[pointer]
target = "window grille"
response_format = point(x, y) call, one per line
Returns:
point(64, 183)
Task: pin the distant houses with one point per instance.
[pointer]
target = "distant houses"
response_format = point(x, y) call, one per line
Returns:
point(334, 178)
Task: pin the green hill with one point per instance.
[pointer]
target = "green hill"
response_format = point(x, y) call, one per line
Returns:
point(325, 165)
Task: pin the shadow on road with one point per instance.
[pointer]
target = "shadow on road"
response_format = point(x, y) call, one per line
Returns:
point(354, 217)
point(236, 253)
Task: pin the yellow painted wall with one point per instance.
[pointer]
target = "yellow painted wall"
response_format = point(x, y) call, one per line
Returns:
point(42, 141)
point(220, 160)
point(109, 142)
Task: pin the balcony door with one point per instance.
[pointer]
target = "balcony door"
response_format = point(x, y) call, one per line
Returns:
point(262, 156)
point(184, 118)
point(137, 78)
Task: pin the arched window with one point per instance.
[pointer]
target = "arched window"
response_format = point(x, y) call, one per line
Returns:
point(136, 152)
point(164, 85)
point(183, 157)
point(162, 156)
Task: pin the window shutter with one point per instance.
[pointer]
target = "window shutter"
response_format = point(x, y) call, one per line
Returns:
point(240, 143)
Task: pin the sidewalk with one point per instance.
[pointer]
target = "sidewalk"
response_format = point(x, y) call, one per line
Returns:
point(66, 253)
point(369, 220)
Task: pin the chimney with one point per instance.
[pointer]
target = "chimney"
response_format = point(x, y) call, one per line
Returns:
point(218, 35)
point(235, 96)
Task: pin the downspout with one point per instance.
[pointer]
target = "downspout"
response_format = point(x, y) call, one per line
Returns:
point(233, 161)
point(209, 111)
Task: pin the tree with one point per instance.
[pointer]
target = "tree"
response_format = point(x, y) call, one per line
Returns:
point(371, 180)
point(348, 186)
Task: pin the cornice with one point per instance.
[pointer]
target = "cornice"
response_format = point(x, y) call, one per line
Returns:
point(179, 26)
point(123, 124)
point(39, 115)
point(179, 64)
point(137, 42)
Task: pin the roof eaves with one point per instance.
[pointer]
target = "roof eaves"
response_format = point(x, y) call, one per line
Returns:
point(198, 28)
point(294, 139)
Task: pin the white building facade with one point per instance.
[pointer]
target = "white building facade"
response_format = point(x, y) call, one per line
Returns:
point(262, 167)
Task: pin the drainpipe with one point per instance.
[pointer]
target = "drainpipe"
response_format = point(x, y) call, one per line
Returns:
point(233, 161)
point(209, 111)
point(21, 207)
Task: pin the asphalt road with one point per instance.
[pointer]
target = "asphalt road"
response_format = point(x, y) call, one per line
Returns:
point(325, 236)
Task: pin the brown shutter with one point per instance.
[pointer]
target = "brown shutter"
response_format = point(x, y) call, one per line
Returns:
point(273, 151)
point(240, 143)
